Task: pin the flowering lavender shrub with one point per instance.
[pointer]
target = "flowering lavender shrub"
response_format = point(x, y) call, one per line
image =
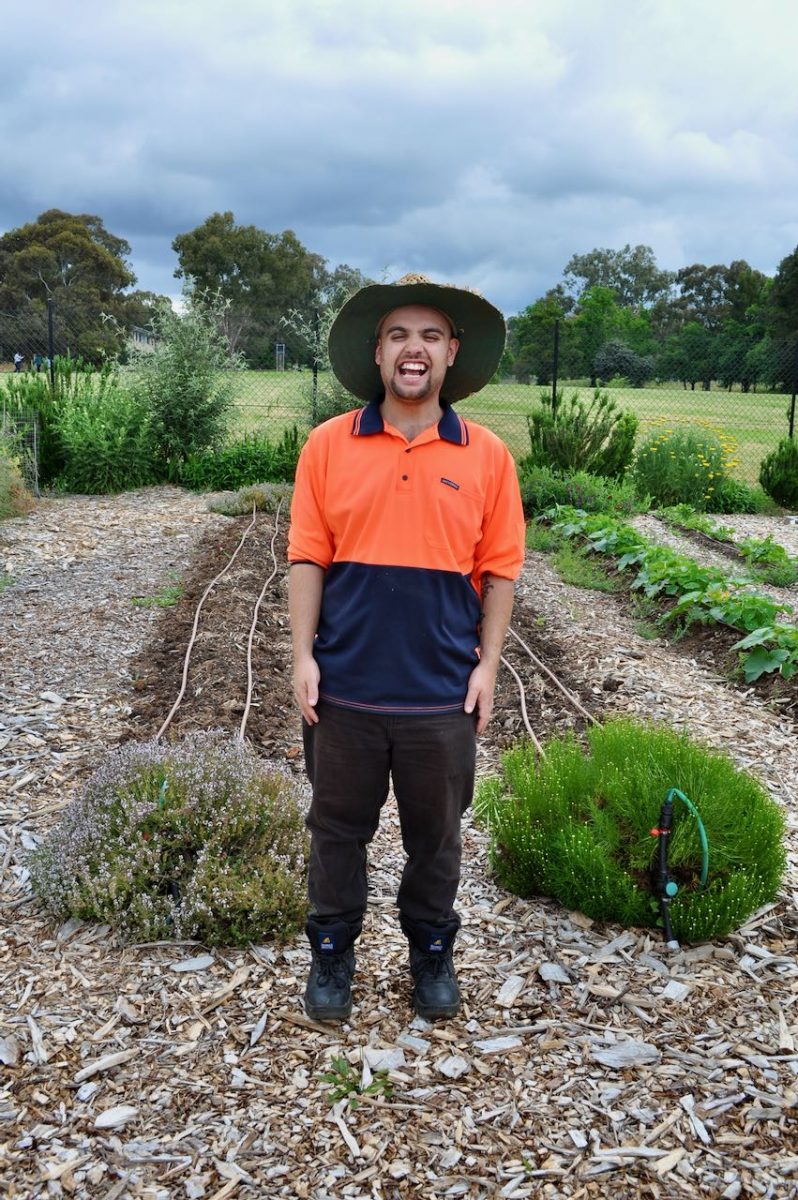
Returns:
point(191, 840)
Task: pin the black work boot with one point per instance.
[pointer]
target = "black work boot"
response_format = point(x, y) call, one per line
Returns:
point(436, 994)
point(328, 994)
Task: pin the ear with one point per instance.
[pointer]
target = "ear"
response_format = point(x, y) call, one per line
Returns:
point(454, 346)
point(378, 351)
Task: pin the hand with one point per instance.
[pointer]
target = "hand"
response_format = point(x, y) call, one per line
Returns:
point(306, 688)
point(481, 686)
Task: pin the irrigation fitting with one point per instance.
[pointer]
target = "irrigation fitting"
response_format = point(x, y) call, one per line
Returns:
point(665, 887)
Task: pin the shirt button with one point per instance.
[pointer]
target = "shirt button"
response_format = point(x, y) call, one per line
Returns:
point(405, 478)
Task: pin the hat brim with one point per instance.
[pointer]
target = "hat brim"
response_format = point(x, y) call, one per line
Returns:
point(480, 329)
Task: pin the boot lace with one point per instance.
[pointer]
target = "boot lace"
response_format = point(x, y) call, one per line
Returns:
point(333, 969)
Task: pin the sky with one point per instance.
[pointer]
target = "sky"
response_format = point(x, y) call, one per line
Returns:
point(481, 142)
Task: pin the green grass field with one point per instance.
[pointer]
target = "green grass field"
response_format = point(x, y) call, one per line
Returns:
point(270, 401)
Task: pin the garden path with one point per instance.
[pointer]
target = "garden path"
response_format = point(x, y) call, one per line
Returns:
point(125, 1076)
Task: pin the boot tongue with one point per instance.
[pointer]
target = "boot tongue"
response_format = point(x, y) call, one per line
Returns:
point(437, 944)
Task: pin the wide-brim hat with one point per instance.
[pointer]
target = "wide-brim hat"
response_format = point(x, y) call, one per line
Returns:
point(479, 327)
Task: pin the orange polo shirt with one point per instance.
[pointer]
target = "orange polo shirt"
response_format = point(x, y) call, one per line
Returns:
point(405, 532)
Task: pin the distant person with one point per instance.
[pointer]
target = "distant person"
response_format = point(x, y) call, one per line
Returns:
point(37, 362)
point(18, 361)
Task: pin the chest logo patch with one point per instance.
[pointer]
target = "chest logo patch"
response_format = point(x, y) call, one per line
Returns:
point(450, 483)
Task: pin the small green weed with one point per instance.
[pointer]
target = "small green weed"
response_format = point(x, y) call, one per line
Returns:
point(542, 538)
point(644, 612)
point(167, 597)
point(575, 567)
point(5, 581)
point(345, 1083)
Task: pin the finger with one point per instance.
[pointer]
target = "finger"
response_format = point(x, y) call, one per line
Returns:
point(472, 699)
point(484, 712)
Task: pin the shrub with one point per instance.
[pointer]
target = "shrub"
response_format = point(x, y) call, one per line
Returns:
point(616, 359)
point(577, 826)
point(542, 488)
point(734, 496)
point(778, 473)
point(570, 435)
point(684, 465)
point(185, 381)
point(191, 840)
point(106, 441)
point(249, 460)
point(264, 497)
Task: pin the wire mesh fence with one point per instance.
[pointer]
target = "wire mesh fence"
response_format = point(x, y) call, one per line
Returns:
point(19, 437)
point(725, 393)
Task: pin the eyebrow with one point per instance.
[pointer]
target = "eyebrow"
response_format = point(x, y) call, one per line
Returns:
point(426, 329)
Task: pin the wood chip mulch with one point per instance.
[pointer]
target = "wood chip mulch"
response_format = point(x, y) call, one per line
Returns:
point(588, 1060)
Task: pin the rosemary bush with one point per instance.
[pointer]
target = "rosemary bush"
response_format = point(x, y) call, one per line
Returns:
point(577, 826)
point(192, 840)
point(571, 435)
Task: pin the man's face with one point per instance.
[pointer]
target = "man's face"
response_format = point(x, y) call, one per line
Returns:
point(415, 347)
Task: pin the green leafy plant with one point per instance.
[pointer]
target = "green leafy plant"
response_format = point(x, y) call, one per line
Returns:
point(778, 473)
point(767, 561)
point(197, 839)
point(250, 460)
point(683, 465)
point(106, 441)
point(541, 487)
point(572, 435)
point(577, 825)
point(697, 594)
point(346, 1084)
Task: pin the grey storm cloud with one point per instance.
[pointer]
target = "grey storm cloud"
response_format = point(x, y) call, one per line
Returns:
point(484, 144)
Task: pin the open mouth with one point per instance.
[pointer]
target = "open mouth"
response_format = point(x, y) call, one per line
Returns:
point(412, 370)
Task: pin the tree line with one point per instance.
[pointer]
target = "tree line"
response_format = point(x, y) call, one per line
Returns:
point(618, 314)
point(75, 262)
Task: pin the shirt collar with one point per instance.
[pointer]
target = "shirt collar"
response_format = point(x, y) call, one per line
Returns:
point(451, 428)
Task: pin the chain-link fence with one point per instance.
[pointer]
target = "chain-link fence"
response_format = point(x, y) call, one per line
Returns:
point(751, 399)
point(754, 415)
point(19, 438)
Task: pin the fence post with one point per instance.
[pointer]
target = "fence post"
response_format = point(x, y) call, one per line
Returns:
point(51, 341)
point(316, 352)
point(794, 387)
point(555, 366)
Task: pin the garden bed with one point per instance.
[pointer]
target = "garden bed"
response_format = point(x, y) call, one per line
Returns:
point(587, 1058)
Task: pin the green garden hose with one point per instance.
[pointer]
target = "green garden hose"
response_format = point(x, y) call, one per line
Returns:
point(666, 888)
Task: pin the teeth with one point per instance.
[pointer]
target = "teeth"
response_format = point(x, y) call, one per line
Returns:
point(412, 368)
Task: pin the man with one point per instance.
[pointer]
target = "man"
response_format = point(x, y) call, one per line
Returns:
point(406, 535)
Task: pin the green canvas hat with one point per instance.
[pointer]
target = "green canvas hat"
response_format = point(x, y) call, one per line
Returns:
point(479, 326)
